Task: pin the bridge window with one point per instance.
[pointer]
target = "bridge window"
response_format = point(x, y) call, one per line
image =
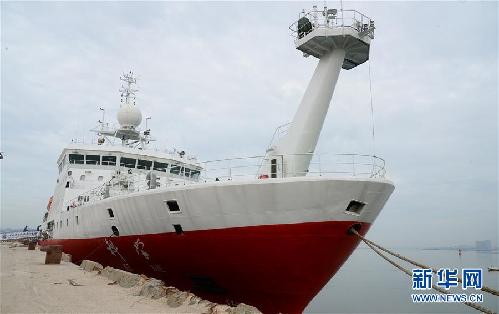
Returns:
point(93, 160)
point(160, 166)
point(109, 160)
point(187, 172)
point(127, 162)
point(144, 164)
point(76, 159)
point(110, 212)
point(175, 169)
point(195, 174)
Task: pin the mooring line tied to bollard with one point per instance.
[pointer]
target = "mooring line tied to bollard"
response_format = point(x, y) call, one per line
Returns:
point(378, 248)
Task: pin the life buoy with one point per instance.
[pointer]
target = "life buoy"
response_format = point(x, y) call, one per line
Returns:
point(263, 176)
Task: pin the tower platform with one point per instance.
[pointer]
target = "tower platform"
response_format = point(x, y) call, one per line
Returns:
point(319, 32)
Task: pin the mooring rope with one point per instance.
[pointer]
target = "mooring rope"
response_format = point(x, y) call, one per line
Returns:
point(434, 270)
point(375, 247)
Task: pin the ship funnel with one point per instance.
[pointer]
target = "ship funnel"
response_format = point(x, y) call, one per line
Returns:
point(339, 39)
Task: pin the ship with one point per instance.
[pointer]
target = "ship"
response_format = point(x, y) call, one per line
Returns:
point(268, 230)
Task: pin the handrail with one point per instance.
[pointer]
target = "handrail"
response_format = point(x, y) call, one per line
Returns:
point(323, 18)
point(352, 164)
point(279, 132)
point(344, 165)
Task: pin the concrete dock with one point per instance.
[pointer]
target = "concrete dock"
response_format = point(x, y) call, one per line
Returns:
point(30, 286)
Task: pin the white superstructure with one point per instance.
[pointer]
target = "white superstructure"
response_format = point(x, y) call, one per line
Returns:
point(89, 173)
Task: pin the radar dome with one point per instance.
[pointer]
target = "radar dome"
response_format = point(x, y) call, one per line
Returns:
point(129, 116)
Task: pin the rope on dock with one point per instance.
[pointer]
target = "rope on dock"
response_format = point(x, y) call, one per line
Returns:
point(376, 248)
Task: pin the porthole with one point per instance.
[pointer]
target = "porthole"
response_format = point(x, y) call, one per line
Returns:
point(172, 206)
point(115, 230)
point(355, 207)
point(178, 229)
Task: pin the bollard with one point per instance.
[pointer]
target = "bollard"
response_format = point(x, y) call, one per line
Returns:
point(31, 246)
point(54, 254)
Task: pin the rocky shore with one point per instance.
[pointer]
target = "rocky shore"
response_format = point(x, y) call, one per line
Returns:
point(30, 286)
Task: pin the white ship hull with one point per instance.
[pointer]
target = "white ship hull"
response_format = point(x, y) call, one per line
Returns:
point(228, 204)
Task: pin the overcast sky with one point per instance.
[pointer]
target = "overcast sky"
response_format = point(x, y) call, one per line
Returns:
point(218, 78)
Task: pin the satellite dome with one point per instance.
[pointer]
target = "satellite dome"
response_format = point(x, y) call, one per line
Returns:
point(129, 116)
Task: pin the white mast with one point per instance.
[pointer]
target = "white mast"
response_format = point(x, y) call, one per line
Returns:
point(337, 45)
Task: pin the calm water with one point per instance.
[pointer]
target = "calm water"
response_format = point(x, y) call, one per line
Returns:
point(368, 284)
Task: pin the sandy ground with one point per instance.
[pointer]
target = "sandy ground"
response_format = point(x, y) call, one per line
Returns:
point(30, 286)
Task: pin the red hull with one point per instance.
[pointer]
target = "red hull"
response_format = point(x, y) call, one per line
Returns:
point(277, 268)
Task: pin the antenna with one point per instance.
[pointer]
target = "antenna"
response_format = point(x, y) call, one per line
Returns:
point(127, 92)
point(103, 116)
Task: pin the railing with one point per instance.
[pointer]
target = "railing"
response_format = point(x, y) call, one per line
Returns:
point(244, 168)
point(121, 184)
point(118, 185)
point(279, 133)
point(332, 18)
point(93, 140)
point(354, 165)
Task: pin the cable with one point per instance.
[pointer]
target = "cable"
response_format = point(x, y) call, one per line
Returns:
point(372, 109)
point(434, 270)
